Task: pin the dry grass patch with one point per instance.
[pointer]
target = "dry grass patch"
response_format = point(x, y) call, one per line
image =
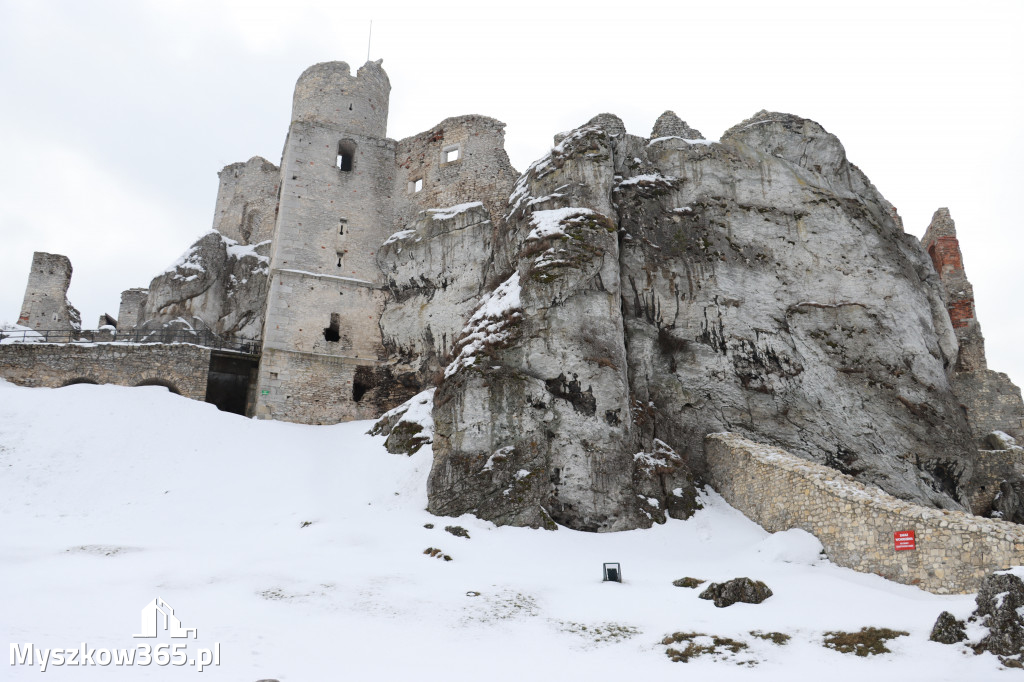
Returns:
point(867, 642)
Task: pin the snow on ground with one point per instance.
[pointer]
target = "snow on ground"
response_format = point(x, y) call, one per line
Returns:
point(300, 549)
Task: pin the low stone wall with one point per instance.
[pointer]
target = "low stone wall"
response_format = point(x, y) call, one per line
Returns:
point(856, 522)
point(181, 367)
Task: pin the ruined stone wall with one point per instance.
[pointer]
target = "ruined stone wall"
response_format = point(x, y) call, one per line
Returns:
point(46, 305)
point(855, 522)
point(181, 367)
point(991, 401)
point(328, 93)
point(941, 243)
point(992, 467)
point(481, 171)
point(246, 207)
point(133, 305)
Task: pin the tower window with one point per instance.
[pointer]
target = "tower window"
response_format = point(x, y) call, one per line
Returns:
point(341, 225)
point(332, 333)
point(415, 186)
point(346, 155)
point(451, 153)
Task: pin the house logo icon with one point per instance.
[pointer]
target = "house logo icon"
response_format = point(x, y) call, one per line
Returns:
point(159, 615)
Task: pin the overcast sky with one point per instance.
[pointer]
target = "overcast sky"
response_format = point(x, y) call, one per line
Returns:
point(116, 116)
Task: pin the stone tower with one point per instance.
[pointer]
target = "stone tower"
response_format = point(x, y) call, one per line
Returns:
point(46, 304)
point(322, 342)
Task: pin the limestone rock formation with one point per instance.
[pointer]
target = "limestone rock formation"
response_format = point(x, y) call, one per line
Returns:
point(533, 419)
point(436, 270)
point(218, 284)
point(670, 287)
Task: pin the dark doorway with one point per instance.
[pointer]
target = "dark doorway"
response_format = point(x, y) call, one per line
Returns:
point(227, 384)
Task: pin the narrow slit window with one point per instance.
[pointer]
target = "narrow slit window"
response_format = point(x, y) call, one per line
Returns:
point(341, 225)
point(332, 333)
point(339, 258)
point(346, 155)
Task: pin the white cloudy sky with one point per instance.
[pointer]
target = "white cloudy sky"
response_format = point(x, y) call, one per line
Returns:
point(116, 116)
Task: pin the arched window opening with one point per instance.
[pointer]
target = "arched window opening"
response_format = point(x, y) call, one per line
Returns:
point(346, 155)
point(332, 333)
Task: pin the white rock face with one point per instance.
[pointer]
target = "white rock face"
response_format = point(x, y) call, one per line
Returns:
point(671, 287)
point(218, 284)
point(533, 424)
point(437, 269)
point(772, 291)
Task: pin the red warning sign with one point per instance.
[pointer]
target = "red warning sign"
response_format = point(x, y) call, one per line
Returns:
point(904, 540)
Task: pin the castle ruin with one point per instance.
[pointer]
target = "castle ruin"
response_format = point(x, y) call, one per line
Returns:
point(586, 323)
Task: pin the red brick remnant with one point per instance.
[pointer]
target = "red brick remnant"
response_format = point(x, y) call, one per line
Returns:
point(945, 253)
point(989, 399)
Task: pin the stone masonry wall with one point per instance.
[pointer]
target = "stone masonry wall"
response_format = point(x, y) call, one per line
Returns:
point(855, 522)
point(325, 296)
point(247, 201)
point(181, 367)
point(482, 171)
point(133, 305)
point(46, 305)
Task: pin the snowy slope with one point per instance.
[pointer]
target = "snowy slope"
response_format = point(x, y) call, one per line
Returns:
point(112, 496)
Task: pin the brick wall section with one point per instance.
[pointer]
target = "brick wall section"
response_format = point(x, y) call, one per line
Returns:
point(247, 201)
point(182, 366)
point(855, 522)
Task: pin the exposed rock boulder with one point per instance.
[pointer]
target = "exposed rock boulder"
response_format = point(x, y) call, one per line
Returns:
point(742, 590)
point(998, 616)
point(998, 603)
point(948, 629)
point(409, 426)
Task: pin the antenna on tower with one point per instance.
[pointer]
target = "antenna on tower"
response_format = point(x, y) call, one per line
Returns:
point(368, 37)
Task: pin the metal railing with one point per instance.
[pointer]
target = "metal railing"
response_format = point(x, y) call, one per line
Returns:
point(198, 337)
